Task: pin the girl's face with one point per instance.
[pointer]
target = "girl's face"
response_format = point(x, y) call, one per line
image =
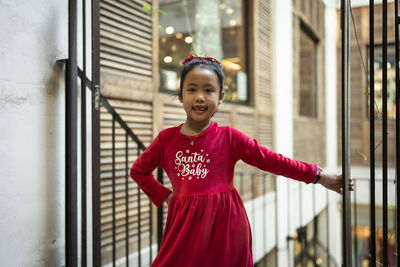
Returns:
point(200, 95)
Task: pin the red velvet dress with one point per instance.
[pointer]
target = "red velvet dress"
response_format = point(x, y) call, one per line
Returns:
point(207, 223)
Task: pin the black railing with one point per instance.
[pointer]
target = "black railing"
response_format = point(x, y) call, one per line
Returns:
point(129, 136)
point(146, 215)
point(376, 256)
point(397, 52)
point(345, 79)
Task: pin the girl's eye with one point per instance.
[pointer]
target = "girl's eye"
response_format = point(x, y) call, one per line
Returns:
point(210, 90)
point(191, 89)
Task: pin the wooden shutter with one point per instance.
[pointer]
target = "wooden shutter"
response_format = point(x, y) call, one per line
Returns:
point(126, 39)
point(264, 63)
point(223, 118)
point(138, 116)
point(266, 181)
point(125, 59)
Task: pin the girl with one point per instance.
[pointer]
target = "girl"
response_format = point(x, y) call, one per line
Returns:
point(207, 223)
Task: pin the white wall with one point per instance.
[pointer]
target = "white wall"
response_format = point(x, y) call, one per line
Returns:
point(292, 212)
point(283, 114)
point(33, 34)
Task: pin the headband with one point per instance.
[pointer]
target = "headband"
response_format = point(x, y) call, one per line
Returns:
point(189, 58)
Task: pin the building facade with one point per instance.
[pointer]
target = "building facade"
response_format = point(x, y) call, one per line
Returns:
point(279, 60)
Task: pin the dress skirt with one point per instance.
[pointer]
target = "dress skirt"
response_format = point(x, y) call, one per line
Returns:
point(206, 230)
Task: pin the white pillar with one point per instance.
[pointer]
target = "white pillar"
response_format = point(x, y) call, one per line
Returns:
point(331, 122)
point(283, 114)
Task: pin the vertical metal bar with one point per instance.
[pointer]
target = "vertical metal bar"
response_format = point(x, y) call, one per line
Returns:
point(71, 140)
point(300, 205)
point(315, 226)
point(96, 216)
point(160, 212)
point(346, 212)
point(151, 232)
point(253, 217)
point(327, 232)
point(264, 222)
point(372, 131)
point(384, 135)
point(113, 192)
point(397, 179)
point(83, 143)
point(126, 200)
point(139, 223)
point(276, 220)
point(355, 223)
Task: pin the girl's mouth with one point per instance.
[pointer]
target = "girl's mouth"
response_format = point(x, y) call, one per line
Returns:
point(199, 109)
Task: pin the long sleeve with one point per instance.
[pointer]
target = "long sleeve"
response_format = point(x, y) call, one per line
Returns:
point(248, 150)
point(142, 169)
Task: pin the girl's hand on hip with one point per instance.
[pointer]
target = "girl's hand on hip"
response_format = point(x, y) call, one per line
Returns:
point(169, 198)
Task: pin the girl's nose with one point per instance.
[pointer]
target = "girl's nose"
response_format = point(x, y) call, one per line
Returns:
point(199, 97)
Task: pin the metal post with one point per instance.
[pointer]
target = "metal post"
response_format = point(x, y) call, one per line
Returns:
point(83, 143)
point(126, 201)
point(384, 135)
point(315, 221)
point(114, 250)
point(346, 212)
point(71, 140)
point(397, 179)
point(96, 230)
point(264, 222)
point(355, 224)
point(151, 232)
point(139, 222)
point(327, 232)
point(372, 131)
point(160, 213)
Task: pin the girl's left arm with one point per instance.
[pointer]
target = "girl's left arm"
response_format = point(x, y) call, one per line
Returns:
point(251, 152)
point(248, 150)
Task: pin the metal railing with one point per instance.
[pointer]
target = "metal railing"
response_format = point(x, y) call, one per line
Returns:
point(130, 136)
point(72, 146)
point(73, 74)
point(347, 234)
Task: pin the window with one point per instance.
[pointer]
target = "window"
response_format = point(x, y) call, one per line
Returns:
point(212, 28)
point(391, 81)
point(308, 76)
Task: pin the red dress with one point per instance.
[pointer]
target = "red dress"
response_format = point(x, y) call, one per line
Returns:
point(207, 223)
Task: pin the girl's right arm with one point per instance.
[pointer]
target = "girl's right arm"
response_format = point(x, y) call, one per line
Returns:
point(142, 172)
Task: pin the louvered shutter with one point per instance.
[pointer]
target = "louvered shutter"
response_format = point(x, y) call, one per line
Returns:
point(138, 116)
point(125, 58)
point(126, 39)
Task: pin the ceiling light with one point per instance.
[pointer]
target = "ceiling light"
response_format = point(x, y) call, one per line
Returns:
point(188, 40)
point(229, 11)
point(169, 30)
point(167, 59)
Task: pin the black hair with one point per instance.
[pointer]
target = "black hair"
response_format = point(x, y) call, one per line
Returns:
point(204, 64)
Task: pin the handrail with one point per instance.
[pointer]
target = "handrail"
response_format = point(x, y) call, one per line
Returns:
point(141, 147)
point(113, 112)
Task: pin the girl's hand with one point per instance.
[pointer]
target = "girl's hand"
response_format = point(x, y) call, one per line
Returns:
point(334, 182)
point(169, 198)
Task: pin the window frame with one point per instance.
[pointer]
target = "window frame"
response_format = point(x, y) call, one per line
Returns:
point(306, 29)
point(246, 9)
